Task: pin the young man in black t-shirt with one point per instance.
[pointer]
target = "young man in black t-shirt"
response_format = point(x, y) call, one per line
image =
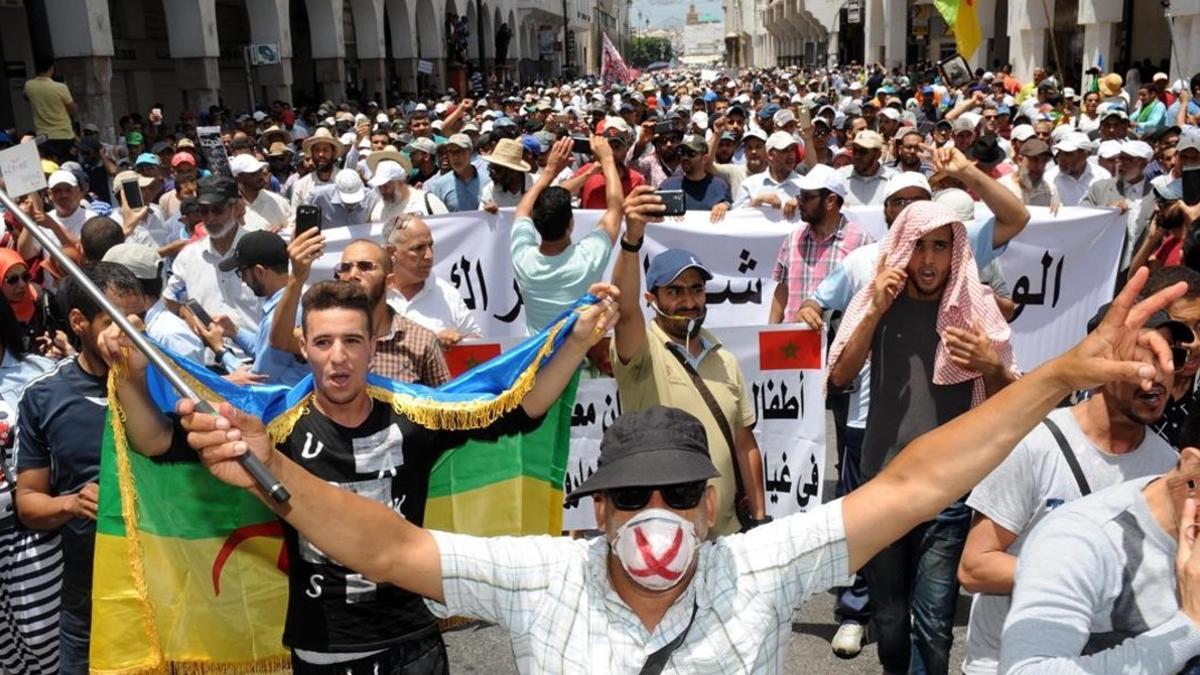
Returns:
point(338, 621)
point(59, 431)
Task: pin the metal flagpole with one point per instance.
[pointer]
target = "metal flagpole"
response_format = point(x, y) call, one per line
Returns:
point(253, 465)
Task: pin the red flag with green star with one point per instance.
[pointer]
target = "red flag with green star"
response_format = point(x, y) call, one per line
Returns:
point(789, 350)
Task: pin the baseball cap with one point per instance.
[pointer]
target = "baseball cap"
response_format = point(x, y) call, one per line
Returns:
point(216, 189)
point(1034, 147)
point(964, 122)
point(246, 164)
point(1073, 142)
point(1137, 149)
point(421, 144)
point(755, 133)
point(823, 177)
point(783, 117)
point(768, 111)
point(1114, 112)
point(780, 140)
point(460, 141)
point(147, 158)
point(256, 248)
point(669, 264)
point(134, 138)
point(140, 259)
point(890, 113)
point(1189, 139)
point(60, 177)
point(128, 175)
point(1109, 149)
point(650, 447)
point(181, 158)
point(386, 172)
point(695, 143)
point(870, 140)
point(906, 179)
point(349, 186)
point(1022, 132)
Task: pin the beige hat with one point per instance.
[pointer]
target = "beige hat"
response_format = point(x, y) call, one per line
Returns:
point(1110, 85)
point(867, 139)
point(275, 133)
point(508, 153)
point(322, 135)
point(128, 175)
point(278, 150)
point(387, 153)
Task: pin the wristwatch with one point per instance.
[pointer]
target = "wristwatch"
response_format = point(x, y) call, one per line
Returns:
point(632, 248)
point(755, 522)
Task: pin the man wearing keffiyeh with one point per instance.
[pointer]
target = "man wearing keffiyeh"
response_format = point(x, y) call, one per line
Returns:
point(938, 346)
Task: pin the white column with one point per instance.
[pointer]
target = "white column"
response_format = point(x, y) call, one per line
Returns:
point(192, 37)
point(1027, 35)
point(83, 49)
point(895, 33)
point(270, 23)
point(1099, 19)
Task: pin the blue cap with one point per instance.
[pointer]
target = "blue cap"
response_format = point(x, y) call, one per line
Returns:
point(504, 122)
point(1003, 110)
point(768, 111)
point(728, 136)
point(6, 139)
point(1172, 191)
point(531, 144)
point(147, 158)
point(669, 264)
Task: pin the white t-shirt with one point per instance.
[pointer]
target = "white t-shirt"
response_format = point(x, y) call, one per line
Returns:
point(268, 212)
point(72, 223)
point(437, 306)
point(194, 276)
point(494, 193)
point(419, 202)
point(1033, 481)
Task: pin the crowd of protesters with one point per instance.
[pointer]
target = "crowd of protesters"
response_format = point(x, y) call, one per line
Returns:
point(936, 498)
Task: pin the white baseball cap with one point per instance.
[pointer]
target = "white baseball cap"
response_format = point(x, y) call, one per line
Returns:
point(1073, 142)
point(1138, 149)
point(890, 113)
point(823, 177)
point(1109, 149)
point(783, 117)
point(780, 140)
point(1189, 139)
point(958, 201)
point(386, 172)
point(60, 177)
point(755, 132)
point(349, 186)
point(246, 164)
point(700, 119)
point(906, 179)
point(1023, 132)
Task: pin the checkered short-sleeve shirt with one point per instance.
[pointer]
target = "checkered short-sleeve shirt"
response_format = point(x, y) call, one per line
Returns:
point(554, 598)
point(804, 261)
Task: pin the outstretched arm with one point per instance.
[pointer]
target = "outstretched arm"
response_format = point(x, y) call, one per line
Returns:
point(931, 472)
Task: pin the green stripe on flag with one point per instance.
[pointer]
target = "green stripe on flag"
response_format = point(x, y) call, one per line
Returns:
point(175, 499)
point(540, 454)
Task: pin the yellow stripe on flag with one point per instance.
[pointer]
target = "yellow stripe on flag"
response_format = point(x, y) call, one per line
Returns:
point(516, 506)
point(966, 28)
point(194, 622)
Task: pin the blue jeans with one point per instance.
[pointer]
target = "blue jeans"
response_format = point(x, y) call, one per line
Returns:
point(853, 602)
point(914, 594)
point(73, 638)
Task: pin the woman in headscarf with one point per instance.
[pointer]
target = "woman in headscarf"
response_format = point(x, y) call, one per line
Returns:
point(29, 302)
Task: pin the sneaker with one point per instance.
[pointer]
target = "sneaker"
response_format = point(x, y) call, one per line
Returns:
point(848, 641)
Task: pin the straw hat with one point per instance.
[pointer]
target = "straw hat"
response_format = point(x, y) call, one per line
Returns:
point(275, 134)
point(509, 154)
point(322, 135)
point(1110, 85)
point(388, 153)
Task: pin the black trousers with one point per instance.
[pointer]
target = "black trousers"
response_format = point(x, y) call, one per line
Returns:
point(423, 656)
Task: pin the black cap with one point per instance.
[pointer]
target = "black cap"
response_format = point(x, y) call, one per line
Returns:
point(256, 248)
point(987, 151)
point(1180, 333)
point(216, 190)
point(656, 446)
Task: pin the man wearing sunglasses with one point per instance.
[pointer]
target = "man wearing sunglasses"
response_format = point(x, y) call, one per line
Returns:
point(194, 274)
point(866, 176)
point(1092, 445)
point(702, 191)
point(648, 592)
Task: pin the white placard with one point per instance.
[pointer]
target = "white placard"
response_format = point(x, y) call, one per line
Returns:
point(21, 169)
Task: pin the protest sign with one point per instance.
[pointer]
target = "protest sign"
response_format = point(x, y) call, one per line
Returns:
point(213, 148)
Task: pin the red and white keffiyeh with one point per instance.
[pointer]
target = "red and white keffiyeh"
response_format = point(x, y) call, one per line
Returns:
point(965, 300)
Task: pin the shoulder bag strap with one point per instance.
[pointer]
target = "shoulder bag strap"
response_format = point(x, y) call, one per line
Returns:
point(1072, 460)
point(715, 410)
point(658, 660)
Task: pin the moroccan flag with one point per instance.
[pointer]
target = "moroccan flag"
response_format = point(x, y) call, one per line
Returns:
point(187, 570)
point(460, 358)
point(962, 17)
point(789, 350)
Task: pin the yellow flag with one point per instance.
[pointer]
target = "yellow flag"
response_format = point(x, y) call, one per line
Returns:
point(962, 16)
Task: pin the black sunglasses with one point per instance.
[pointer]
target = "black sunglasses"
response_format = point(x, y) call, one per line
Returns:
point(14, 279)
point(364, 265)
point(1179, 357)
point(681, 496)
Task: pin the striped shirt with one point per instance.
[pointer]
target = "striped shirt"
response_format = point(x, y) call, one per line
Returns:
point(563, 616)
point(804, 261)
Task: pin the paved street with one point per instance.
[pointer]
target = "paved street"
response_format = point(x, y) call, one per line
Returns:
point(485, 649)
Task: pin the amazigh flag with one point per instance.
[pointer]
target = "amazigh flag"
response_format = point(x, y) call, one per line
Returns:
point(187, 570)
point(962, 17)
point(612, 67)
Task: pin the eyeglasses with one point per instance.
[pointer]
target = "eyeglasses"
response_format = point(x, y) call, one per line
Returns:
point(688, 153)
point(681, 496)
point(1179, 357)
point(901, 202)
point(14, 279)
point(364, 265)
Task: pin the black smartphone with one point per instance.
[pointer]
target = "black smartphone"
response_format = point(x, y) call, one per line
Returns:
point(133, 194)
point(673, 200)
point(1191, 185)
point(581, 145)
point(198, 311)
point(663, 128)
point(307, 217)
